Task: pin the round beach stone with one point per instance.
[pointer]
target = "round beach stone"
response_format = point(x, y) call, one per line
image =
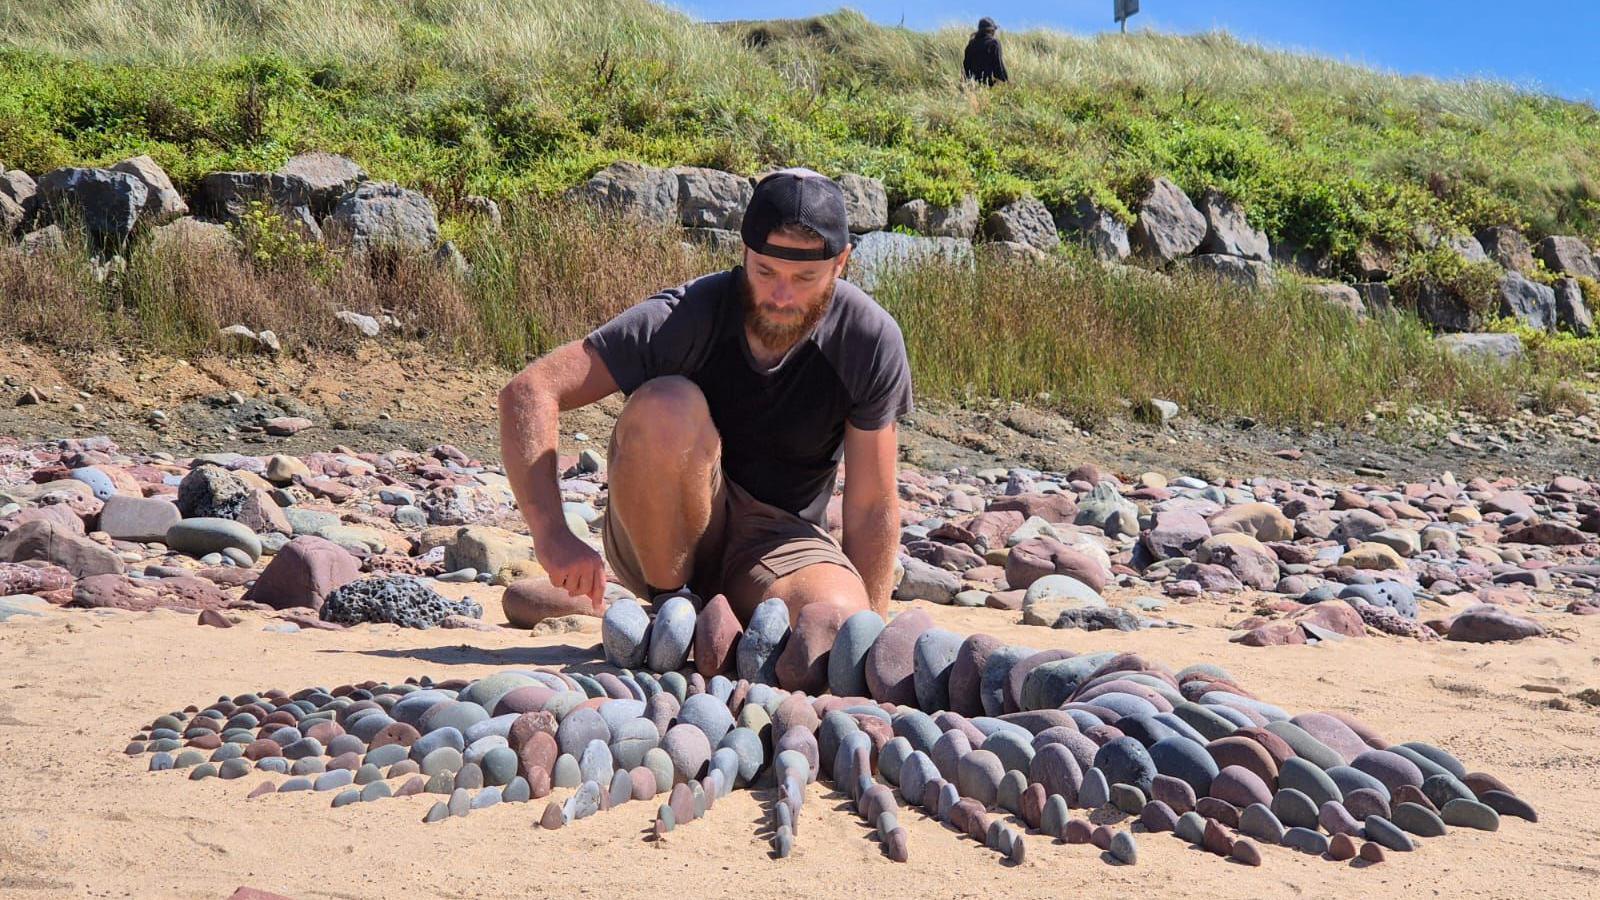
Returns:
point(1441, 789)
point(443, 759)
point(1384, 833)
point(1306, 840)
point(1460, 812)
point(1441, 758)
point(716, 638)
point(1305, 746)
point(1240, 787)
point(499, 766)
point(708, 714)
point(891, 663)
point(1295, 808)
point(689, 750)
point(762, 642)
point(917, 727)
point(1096, 791)
point(1392, 769)
point(199, 536)
point(1258, 821)
point(1509, 805)
point(966, 674)
point(624, 633)
point(933, 658)
point(1364, 802)
point(978, 775)
point(749, 753)
point(803, 665)
point(1419, 820)
point(1125, 761)
point(1123, 848)
point(581, 726)
point(671, 635)
point(1314, 783)
point(1350, 779)
point(566, 773)
point(1185, 760)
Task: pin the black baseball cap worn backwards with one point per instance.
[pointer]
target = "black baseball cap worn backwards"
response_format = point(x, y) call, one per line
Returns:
point(797, 197)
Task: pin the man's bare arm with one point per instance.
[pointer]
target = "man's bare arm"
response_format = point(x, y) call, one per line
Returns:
point(569, 377)
point(872, 508)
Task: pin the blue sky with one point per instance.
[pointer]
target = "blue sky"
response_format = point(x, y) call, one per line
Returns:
point(1550, 46)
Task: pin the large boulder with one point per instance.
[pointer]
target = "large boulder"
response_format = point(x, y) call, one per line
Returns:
point(1445, 309)
point(712, 198)
point(327, 175)
point(1024, 221)
point(1101, 232)
point(378, 215)
point(486, 549)
point(957, 221)
point(1229, 232)
point(866, 203)
point(1342, 296)
point(53, 543)
point(1506, 246)
point(303, 573)
point(212, 492)
point(1504, 348)
point(633, 190)
point(1169, 226)
point(1529, 302)
point(1234, 270)
point(1568, 256)
point(190, 234)
point(12, 215)
point(20, 187)
point(140, 519)
point(107, 202)
point(163, 203)
point(1465, 246)
point(1572, 312)
point(226, 197)
point(880, 253)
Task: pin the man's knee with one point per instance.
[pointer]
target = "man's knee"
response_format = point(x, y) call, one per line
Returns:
point(819, 583)
point(667, 417)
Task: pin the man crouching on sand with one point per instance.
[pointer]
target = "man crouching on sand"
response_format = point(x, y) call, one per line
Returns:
point(744, 389)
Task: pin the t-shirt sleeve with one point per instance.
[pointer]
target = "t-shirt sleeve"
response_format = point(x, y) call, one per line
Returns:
point(656, 337)
point(884, 395)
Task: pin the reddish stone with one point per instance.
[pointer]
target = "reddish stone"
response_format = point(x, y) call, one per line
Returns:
point(1035, 558)
point(539, 752)
point(250, 893)
point(1245, 851)
point(526, 699)
point(1242, 752)
point(803, 665)
point(350, 761)
point(261, 790)
point(32, 578)
point(642, 782)
point(1342, 847)
point(214, 619)
point(415, 785)
point(208, 741)
point(1101, 837)
point(1221, 810)
point(1277, 748)
point(1217, 839)
point(324, 731)
point(1334, 615)
point(1032, 805)
point(395, 733)
point(303, 573)
point(552, 817)
point(57, 544)
point(1241, 787)
point(1054, 507)
point(538, 783)
point(527, 725)
point(1077, 831)
point(890, 663)
point(261, 749)
point(1336, 734)
point(716, 637)
point(1479, 782)
point(1010, 601)
point(1174, 792)
point(1272, 634)
point(529, 601)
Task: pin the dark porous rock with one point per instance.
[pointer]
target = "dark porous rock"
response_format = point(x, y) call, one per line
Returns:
point(891, 663)
point(397, 599)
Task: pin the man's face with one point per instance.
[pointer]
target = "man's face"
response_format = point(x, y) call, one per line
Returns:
point(785, 299)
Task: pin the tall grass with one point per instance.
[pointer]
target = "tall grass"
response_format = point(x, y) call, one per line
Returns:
point(510, 97)
point(1089, 339)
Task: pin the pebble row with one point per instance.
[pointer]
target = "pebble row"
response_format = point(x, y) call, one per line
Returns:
point(1032, 733)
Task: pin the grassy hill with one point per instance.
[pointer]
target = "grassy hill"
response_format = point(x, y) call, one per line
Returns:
point(519, 99)
point(505, 97)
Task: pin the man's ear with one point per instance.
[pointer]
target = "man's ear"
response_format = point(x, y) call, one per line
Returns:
point(844, 259)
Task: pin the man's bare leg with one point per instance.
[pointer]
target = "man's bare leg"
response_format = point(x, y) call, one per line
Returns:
point(664, 453)
point(817, 583)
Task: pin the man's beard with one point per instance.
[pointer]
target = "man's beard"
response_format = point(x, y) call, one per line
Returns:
point(783, 334)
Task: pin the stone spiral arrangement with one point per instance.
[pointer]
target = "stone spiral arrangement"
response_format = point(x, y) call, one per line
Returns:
point(959, 727)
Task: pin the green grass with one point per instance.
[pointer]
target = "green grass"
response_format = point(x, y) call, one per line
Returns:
point(511, 97)
point(1068, 334)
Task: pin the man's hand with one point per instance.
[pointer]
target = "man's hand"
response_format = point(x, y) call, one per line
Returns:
point(573, 565)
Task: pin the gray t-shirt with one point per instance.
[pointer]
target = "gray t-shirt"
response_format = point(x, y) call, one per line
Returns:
point(782, 429)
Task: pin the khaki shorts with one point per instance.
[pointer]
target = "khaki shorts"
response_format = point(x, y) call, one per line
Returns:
point(759, 544)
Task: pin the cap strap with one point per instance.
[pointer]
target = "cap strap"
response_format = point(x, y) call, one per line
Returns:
point(794, 254)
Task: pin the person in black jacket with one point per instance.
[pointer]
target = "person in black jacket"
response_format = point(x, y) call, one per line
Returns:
point(983, 62)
